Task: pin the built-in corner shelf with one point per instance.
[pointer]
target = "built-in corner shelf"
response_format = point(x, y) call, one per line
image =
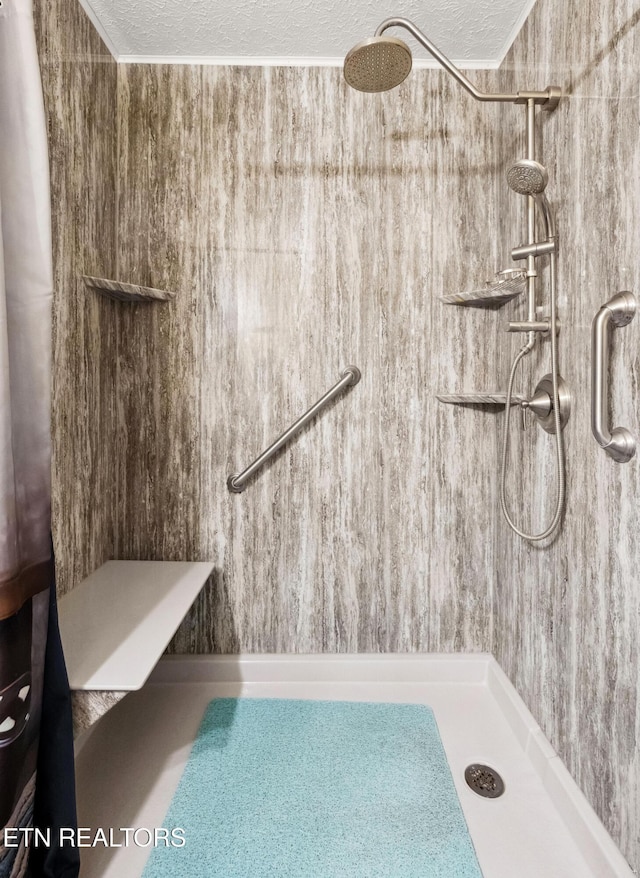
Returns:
point(117, 623)
point(479, 398)
point(126, 292)
point(510, 284)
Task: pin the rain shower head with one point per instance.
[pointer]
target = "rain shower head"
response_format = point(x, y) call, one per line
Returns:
point(527, 177)
point(381, 63)
point(377, 64)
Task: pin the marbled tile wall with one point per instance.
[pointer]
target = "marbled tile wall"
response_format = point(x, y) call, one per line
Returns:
point(305, 227)
point(567, 626)
point(79, 79)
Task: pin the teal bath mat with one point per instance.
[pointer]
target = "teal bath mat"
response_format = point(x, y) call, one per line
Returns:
point(316, 789)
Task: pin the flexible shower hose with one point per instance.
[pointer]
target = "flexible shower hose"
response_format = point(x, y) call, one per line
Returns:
point(560, 461)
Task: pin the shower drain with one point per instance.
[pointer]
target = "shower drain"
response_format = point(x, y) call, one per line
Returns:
point(484, 781)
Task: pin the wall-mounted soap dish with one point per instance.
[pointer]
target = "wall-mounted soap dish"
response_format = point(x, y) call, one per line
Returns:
point(507, 285)
point(496, 398)
point(126, 292)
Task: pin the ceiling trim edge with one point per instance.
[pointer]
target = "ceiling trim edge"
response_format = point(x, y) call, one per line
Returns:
point(286, 61)
point(524, 15)
point(95, 21)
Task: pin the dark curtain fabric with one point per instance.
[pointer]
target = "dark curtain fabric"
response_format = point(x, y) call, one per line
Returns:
point(55, 796)
point(23, 643)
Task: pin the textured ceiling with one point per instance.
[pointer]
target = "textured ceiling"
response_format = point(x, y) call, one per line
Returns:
point(474, 32)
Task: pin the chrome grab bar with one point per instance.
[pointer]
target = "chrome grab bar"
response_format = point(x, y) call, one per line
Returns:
point(236, 482)
point(620, 310)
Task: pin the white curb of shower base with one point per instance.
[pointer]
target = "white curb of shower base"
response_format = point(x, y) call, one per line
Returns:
point(542, 825)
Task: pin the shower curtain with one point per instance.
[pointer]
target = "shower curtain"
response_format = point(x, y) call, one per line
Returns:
point(35, 729)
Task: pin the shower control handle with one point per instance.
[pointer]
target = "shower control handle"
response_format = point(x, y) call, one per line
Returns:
point(619, 311)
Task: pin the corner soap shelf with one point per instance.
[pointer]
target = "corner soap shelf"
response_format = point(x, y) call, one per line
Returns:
point(479, 398)
point(510, 283)
point(117, 623)
point(126, 292)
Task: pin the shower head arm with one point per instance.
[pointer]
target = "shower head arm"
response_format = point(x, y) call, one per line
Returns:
point(548, 99)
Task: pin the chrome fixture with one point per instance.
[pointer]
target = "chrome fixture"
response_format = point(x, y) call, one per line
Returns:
point(543, 248)
point(618, 311)
point(528, 326)
point(382, 62)
point(527, 177)
point(237, 482)
point(542, 403)
point(378, 64)
point(551, 402)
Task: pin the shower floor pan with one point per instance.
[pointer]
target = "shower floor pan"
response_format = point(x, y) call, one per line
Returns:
point(129, 764)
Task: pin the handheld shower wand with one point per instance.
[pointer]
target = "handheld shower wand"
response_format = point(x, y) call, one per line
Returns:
point(528, 177)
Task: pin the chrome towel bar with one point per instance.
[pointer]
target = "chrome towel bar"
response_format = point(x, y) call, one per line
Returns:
point(619, 311)
point(236, 482)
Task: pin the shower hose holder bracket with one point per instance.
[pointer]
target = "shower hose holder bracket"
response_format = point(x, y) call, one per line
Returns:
point(528, 326)
point(542, 248)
